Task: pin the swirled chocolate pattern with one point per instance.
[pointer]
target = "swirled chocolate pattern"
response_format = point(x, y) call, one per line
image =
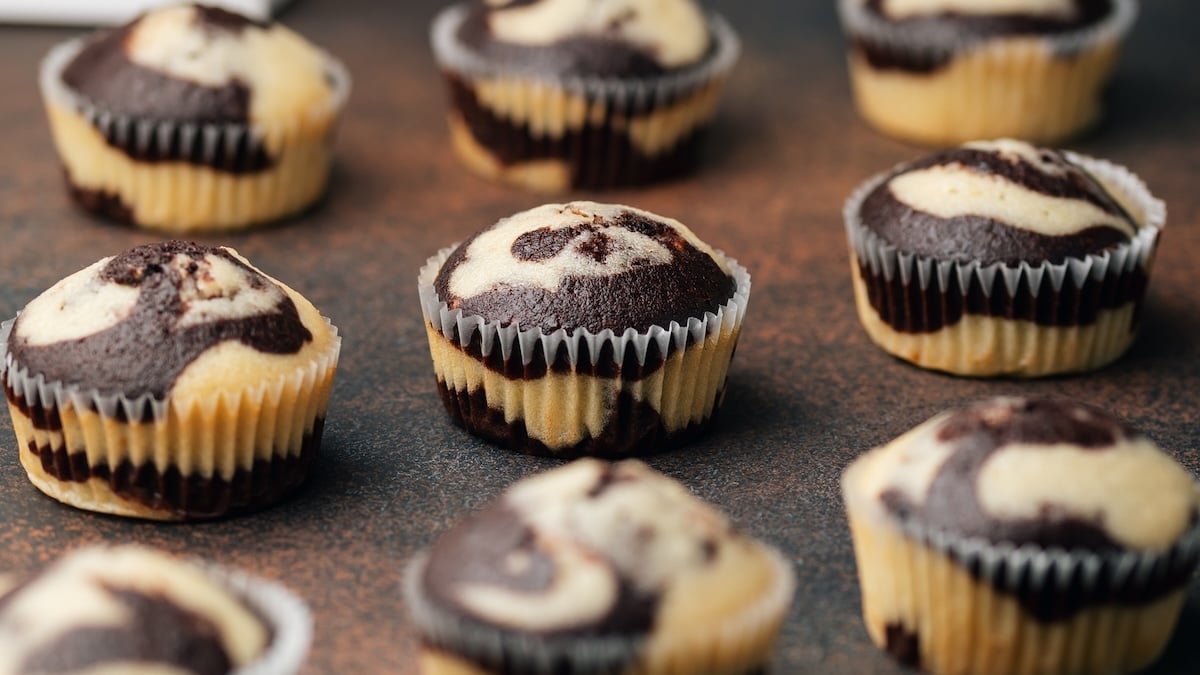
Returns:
point(960, 22)
point(585, 265)
point(201, 65)
point(588, 37)
point(125, 607)
point(1047, 473)
point(588, 551)
point(132, 323)
point(1002, 201)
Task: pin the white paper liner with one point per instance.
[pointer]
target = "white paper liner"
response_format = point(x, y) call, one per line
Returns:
point(36, 390)
point(858, 22)
point(453, 56)
point(459, 327)
point(475, 640)
point(289, 617)
point(884, 258)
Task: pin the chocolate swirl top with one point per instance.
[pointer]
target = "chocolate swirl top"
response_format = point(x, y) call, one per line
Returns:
point(1055, 474)
point(133, 323)
point(949, 19)
point(585, 265)
point(604, 38)
point(591, 550)
point(1002, 201)
point(192, 63)
point(125, 608)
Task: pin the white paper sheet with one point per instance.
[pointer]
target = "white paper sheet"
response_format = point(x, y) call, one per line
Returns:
point(108, 12)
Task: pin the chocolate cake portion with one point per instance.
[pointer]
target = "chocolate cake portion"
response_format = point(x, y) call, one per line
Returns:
point(155, 309)
point(585, 265)
point(943, 31)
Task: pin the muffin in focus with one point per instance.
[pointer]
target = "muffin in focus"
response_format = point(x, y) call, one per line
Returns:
point(583, 329)
point(193, 118)
point(557, 94)
point(947, 71)
point(1000, 258)
point(133, 609)
point(1022, 537)
point(172, 381)
point(597, 568)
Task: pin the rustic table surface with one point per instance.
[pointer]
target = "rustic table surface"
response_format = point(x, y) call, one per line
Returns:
point(807, 391)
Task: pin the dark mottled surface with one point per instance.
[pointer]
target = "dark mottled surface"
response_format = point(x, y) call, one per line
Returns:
point(808, 390)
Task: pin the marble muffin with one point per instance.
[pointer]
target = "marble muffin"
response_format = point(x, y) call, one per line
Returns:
point(171, 381)
point(193, 118)
point(130, 609)
point(1001, 258)
point(1022, 536)
point(597, 568)
point(558, 94)
point(949, 71)
point(583, 329)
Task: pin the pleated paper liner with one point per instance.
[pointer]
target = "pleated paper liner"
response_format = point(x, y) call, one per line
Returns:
point(1039, 87)
point(569, 132)
point(573, 412)
point(287, 615)
point(1013, 344)
point(733, 645)
point(178, 176)
point(954, 605)
point(234, 451)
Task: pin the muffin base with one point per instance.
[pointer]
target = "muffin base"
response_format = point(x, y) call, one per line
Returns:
point(179, 197)
point(557, 140)
point(929, 612)
point(985, 346)
point(1013, 88)
point(147, 492)
point(571, 414)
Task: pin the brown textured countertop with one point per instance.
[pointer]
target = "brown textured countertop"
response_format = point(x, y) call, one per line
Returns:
point(807, 391)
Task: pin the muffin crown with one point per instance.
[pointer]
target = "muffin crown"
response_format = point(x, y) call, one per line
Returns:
point(585, 265)
point(992, 17)
point(589, 37)
point(133, 322)
point(111, 606)
point(1051, 473)
point(997, 202)
point(588, 549)
point(192, 63)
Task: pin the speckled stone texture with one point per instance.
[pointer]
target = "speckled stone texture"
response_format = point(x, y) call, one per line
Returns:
point(807, 391)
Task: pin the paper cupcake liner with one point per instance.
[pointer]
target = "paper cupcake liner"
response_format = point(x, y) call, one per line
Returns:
point(183, 176)
point(697, 387)
point(731, 646)
point(270, 431)
point(966, 600)
point(288, 616)
point(1111, 270)
point(1042, 87)
point(606, 131)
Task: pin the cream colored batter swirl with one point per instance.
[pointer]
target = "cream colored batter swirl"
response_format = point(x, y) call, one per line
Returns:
point(903, 9)
point(673, 32)
point(1014, 469)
